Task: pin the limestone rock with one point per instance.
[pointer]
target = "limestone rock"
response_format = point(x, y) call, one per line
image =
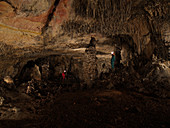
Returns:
point(35, 74)
point(1, 101)
point(8, 80)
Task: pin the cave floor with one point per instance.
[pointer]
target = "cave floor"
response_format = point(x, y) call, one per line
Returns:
point(91, 108)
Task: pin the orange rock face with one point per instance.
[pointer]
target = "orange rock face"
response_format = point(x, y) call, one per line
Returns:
point(9, 17)
point(21, 20)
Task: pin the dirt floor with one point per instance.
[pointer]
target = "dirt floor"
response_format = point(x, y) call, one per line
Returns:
point(90, 108)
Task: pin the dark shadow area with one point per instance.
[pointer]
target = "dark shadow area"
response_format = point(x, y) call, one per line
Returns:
point(50, 16)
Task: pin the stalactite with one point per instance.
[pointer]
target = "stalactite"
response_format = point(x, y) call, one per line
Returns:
point(111, 3)
point(87, 9)
point(94, 8)
point(102, 12)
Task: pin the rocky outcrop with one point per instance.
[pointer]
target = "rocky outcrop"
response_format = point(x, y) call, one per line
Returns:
point(90, 65)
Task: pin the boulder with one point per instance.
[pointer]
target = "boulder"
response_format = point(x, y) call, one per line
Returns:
point(1, 101)
point(8, 80)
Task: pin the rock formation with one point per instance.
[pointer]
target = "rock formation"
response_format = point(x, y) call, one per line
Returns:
point(39, 39)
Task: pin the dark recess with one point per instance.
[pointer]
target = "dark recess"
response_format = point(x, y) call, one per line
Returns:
point(50, 16)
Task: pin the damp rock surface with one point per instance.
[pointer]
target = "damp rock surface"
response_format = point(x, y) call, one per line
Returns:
point(39, 39)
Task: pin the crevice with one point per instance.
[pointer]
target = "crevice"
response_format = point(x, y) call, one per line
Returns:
point(50, 16)
point(15, 8)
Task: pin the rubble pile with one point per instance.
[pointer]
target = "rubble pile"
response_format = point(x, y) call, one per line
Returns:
point(154, 80)
point(30, 99)
point(21, 101)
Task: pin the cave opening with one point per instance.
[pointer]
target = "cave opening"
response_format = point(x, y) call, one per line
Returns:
point(125, 50)
point(29, 71)
point(48, 69)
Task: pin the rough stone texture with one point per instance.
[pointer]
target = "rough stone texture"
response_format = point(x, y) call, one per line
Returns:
point(90, 65)
point(1, 101)
point(39, 28)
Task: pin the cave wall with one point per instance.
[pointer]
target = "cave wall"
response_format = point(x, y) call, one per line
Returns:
point(38, 28)
point(142, 20)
